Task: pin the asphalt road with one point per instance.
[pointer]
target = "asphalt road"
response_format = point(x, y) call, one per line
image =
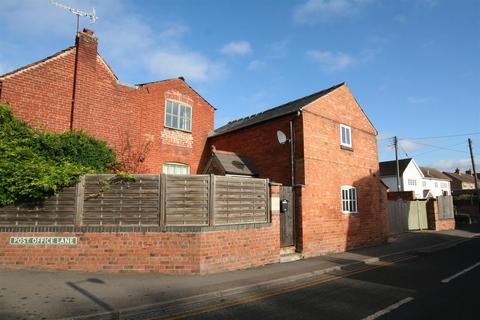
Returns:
point(408, 287)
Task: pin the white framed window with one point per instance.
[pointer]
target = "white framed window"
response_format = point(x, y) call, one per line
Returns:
point(436, 184)
point(349, 199)
point(424, 183)
point(345, 136)
point(178, 115)
point(443, 185)
point(412, 182)
point(176, 168)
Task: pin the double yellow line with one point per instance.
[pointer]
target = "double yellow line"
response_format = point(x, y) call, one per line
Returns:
point(275, 292)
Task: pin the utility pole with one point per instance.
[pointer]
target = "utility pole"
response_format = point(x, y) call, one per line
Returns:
point(395, 142)
point(473, 165)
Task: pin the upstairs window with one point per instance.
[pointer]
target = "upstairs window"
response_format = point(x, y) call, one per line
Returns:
point(178, 115)
point(345, 136)
point(176, 168)
point(412, 182)
point(349, 199)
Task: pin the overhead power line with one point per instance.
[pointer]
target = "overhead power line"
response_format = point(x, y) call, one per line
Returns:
point(448, 136)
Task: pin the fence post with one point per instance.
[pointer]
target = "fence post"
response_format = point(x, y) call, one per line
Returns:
point(211, 201)
point(79, 199)
point(267, 195)
point(163, 199)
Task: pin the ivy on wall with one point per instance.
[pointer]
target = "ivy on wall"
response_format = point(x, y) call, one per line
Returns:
point(34, 165)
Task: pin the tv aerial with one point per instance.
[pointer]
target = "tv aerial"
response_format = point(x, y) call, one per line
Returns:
point(92, 16)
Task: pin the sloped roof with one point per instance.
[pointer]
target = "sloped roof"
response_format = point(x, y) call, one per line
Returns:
point(282, 110)
point(56, 54)
point(233, 163)
point(389, 168)
point(463, 177)
point(433, 173)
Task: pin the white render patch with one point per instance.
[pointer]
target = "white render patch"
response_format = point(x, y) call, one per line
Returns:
point(177, 138)
point(178, 96)
point(37, 65)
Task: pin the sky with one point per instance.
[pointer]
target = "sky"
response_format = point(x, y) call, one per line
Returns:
point(413, 65)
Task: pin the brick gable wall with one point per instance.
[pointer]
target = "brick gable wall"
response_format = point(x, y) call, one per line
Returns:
point(322, 167)
point(41, 94)
point(328, 166)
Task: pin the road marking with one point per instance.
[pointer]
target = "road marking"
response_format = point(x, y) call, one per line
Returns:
point(275, 292)
point(447, 280)
point(388, 309)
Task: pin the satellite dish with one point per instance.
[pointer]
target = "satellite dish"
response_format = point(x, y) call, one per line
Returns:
point(282, 138)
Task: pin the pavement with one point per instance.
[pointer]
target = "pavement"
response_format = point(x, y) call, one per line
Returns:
point(72, 295)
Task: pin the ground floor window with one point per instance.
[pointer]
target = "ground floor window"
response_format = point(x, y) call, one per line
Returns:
point(176, 168)
point(349, 199)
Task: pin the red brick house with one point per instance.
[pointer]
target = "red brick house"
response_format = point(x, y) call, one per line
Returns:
point(76, 89)
point(340, 201)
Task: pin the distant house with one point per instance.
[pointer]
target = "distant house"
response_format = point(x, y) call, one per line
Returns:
point(423, 181)
point(461, 181)
point(411, 176)
point(437, 183)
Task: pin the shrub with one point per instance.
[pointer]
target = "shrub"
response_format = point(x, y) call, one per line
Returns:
point(34, 165)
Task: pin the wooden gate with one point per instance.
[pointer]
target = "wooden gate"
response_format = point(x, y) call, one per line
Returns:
point(286, 217)
point(407, 215)
point(417, 215)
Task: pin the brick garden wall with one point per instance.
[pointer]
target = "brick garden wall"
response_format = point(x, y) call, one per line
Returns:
point(41, 94)
point(186, 251)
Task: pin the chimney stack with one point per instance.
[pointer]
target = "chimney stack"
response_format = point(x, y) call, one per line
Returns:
point(457, 171)
point(469, 171)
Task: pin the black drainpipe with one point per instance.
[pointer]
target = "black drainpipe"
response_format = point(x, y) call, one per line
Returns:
point(72, 108)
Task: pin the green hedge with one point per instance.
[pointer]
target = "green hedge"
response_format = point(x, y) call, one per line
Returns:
point(34, 165)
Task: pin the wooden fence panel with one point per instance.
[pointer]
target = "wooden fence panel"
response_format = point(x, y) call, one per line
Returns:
point(240, 200)
point(187, 200)
point(398, 216)
point(122, 204)
point(445, 207)
point(57, 210)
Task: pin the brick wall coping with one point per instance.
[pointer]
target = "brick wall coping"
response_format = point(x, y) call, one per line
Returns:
point(118, 229)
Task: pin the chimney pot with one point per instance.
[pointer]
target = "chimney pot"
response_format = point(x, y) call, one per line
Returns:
point(469, 171)
point(88, 31)
point(457, 171)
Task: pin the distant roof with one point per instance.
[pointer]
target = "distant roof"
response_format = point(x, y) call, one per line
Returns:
point(389, 168)
point(282, 110)
point(433, 173)
point(233, 163)
point(463, 177)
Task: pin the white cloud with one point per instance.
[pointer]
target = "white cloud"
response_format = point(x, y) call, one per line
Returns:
point(400, 18)
point(408, 145)
point(278, 49)
point(428, 3)
point(237, 48)
point(126, 40)
point(451, 165)
point(191, 65)
point(255, 65)
point(418, 100)
point(320, 10)
point(331, 61)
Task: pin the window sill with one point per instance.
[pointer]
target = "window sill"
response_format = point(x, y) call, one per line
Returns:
point(346, 148)
point(177, 129)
